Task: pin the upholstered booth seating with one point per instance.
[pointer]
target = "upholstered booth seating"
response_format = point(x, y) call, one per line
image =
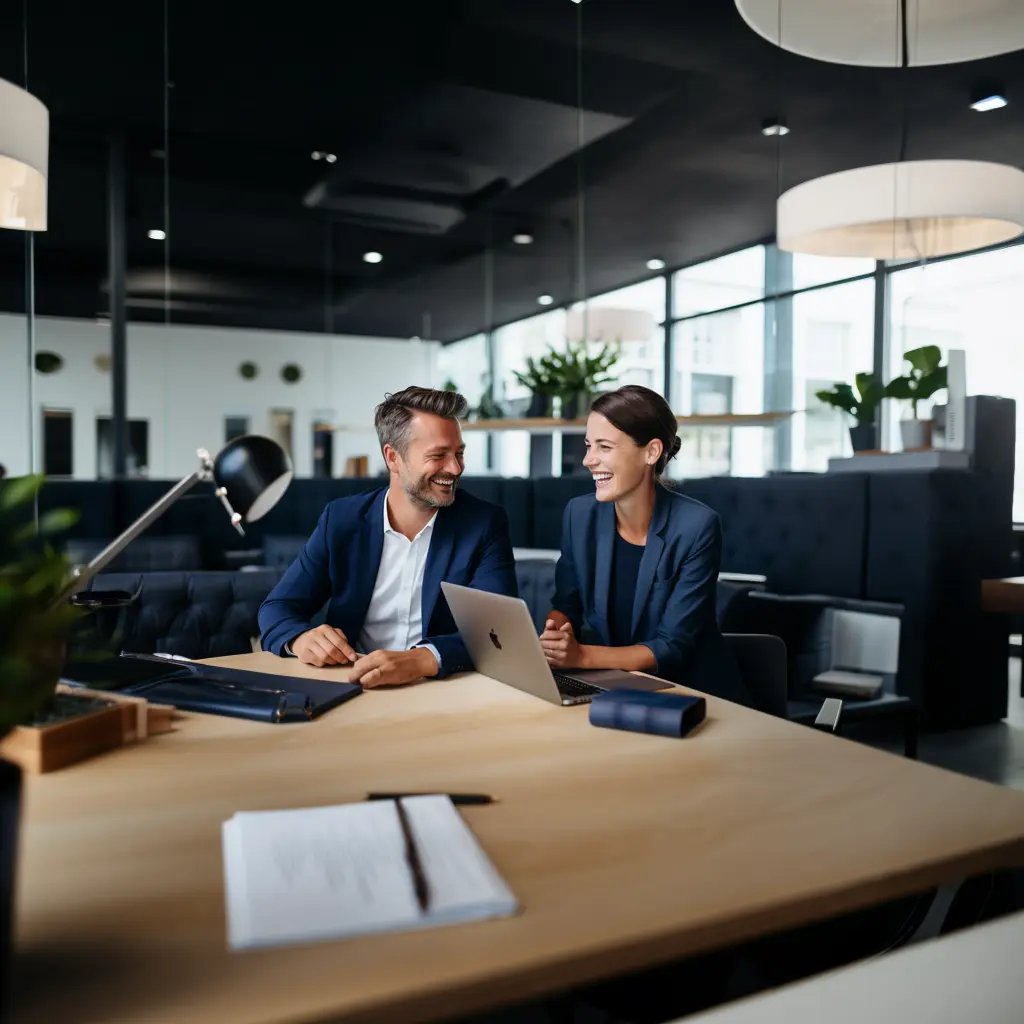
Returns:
point(174, 553)
point(197, 614)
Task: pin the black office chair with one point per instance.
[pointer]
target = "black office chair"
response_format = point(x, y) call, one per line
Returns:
point(763, 665)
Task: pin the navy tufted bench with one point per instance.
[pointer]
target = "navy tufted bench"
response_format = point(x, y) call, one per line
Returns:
point(197, 614)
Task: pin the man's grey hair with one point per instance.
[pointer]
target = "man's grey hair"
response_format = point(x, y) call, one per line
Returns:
point(393, 417)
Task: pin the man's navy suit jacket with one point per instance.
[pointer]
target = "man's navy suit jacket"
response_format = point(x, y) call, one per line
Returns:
point(469, 545)
point(674, 601)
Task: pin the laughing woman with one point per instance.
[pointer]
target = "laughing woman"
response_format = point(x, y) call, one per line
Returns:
point(635, 585)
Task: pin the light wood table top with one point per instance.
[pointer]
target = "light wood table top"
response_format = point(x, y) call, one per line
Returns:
point(624, 850)
point(1003, 595)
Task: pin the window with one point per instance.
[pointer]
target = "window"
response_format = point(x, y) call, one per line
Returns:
point(137, 456)
point(718, 363)
point(975, 303)
point(720, 283)
point(833, 340)
point(235, 426)
point(57, 442)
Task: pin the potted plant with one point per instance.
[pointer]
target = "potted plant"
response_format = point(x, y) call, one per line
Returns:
point(541, 379)
point(861, 404)
point(32, 632)
point(576, 376)
point(926, 375)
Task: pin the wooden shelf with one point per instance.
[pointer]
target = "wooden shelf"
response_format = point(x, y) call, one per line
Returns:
point(550, 424)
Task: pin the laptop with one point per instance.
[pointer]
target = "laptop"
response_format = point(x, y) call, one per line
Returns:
point(501, 639)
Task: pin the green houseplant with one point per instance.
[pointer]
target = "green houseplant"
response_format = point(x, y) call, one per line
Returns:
point(924, 377)
point(541, 377)
point(33, 625)
point(861, 401)
point(574, 375)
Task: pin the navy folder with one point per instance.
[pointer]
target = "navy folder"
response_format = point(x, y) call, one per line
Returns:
point(261, 696)
point(664, 714)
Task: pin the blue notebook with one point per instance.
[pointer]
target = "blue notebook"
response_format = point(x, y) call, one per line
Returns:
point(663, 714)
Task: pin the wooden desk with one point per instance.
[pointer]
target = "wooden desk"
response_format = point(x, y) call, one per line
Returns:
point(1005, 595)
point(625, 850)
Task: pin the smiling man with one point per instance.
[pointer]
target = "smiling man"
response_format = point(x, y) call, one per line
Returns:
point(377, 559)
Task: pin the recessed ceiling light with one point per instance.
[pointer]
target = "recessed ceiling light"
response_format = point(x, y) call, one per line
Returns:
point(988, 101)
point(372, 257)
point(319, 154)
point(330, 157)
point(545, 300)
point(773, 126)
point(522, 238)
point(655, 264)
point(156, 234)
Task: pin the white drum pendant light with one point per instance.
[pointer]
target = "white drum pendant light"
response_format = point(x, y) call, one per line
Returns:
point(870, 32)
point(24, 159)
point(912, 210)
point(608, 324)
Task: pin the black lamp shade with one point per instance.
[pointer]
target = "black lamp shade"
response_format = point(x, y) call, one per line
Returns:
point(255, 472)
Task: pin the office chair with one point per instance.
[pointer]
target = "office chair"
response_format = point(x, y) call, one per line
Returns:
point(763, 666)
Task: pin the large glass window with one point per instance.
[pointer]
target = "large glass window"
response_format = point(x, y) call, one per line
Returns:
point(642, 358)
point(975, 303)
point(719, 283)
point(718, 363)
point(833, 340)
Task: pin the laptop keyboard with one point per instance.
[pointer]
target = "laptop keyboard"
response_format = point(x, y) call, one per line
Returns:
point(574, 688)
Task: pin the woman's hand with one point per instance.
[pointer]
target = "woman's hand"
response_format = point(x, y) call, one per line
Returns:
point(559, 644)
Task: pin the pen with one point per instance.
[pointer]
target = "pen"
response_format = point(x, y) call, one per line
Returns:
point(459, 799)
point(412, 855)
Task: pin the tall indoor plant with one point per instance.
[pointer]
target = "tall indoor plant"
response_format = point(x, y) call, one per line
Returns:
point(924, 377)
point(541, 378)
point(33, 626)
point(861, 401)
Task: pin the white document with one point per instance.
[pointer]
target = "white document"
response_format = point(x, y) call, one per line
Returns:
point(333, 872)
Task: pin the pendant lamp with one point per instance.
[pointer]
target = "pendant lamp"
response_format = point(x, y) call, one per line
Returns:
point(24, 156)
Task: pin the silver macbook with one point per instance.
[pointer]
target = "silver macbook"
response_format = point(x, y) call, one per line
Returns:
point(500, 637)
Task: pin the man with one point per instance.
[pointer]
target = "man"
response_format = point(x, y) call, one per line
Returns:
point(379, 558)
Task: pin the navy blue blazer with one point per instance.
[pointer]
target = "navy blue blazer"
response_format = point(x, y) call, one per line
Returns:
point(469, 545)
point(674, 605)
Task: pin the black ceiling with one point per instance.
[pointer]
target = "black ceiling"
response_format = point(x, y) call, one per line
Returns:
point(454, 125)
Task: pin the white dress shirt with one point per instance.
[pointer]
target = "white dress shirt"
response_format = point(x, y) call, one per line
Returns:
point(394, 619)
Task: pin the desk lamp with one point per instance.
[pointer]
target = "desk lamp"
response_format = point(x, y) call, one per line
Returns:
point(251, 474)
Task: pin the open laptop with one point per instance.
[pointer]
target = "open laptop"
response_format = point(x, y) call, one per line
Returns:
point(500, 637)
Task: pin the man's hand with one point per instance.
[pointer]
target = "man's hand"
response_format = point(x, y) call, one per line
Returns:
point(389, 668)
point(559, 643)
point(323, 645)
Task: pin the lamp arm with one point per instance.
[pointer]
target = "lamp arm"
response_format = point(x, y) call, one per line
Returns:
point(81, 574)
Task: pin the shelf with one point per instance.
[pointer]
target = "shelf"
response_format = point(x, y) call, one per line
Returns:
point(552, 425)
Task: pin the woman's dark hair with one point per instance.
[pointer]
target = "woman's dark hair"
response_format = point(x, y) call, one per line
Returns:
point(644, 415)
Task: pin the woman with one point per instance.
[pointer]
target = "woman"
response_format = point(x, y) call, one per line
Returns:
point(635, 586)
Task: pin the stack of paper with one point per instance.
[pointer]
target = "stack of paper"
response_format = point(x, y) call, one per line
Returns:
point(332, 872)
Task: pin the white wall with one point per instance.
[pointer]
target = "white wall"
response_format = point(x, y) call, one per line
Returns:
point(184, 381)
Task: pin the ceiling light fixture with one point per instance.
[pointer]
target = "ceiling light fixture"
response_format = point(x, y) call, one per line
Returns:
point(870, 33)
point(372, 257)
point(911, 210)
point(545, 300)
point(608, 324)
point(24, 159)
point(988, 100)
point(319, 154)
point(522, 238)
point(655, 264)
point(156, 234)
point(773, 126)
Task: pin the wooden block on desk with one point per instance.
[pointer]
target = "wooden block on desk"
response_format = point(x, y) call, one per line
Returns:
point(45, 748)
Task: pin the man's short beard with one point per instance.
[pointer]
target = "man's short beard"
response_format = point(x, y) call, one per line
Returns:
point(422, 496)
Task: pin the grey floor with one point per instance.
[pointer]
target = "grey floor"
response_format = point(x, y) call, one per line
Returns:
point(994, 752)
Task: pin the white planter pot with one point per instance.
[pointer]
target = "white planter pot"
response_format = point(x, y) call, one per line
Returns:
point(916, 434)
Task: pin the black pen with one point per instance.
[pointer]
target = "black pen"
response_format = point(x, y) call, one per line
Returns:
point(412, 855)
point(459, 799)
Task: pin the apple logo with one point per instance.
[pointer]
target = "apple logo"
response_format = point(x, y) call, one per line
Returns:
point(494, 639)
